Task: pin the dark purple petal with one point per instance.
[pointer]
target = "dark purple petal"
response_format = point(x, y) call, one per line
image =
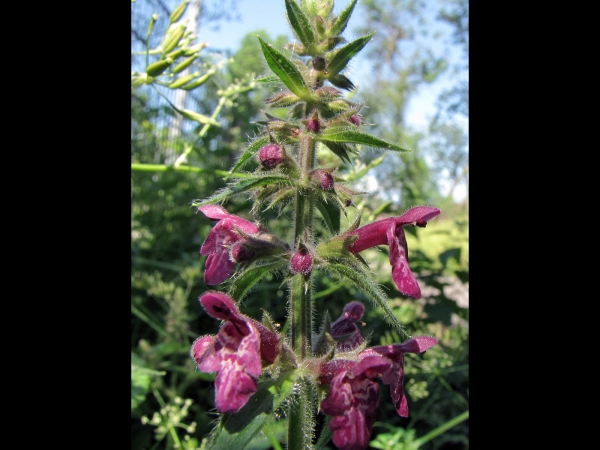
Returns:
point(352, 400)
point(346, 329)
point(401, 273)
point(419, 215)
point(394, 377)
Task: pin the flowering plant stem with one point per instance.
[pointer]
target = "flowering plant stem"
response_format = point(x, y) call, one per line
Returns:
point(331, 371)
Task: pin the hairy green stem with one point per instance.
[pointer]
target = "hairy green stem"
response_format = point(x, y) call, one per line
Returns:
point(301, 317)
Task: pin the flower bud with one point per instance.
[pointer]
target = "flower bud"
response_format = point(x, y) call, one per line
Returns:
point(313, 123)
point(270, 156)
point(355, 119)
point(319, 63)
point(241, 253)
point(301, 262)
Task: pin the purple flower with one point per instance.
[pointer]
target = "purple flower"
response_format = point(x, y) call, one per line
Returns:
point(235, 353)
point(224, 235)
point(395, 375)
point(354, 392)
point(352, 399)
point(391, 232)
point(345, 329)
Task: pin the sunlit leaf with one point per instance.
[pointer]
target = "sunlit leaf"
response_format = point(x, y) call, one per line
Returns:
point(347, 134)
point(286, 70)
point(242, 186)
point(342, 20)
point(300, 24)
point(346, 53)
point(248, 153)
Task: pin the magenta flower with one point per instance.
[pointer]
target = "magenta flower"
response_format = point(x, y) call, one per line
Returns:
point(221, 238)
point(354, 392)
point(345, 329)
point(235, 353)
point(395, 375)
point(390, 231)
point(352, 399)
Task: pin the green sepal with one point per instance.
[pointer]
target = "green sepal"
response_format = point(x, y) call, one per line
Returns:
point(331, 215)
point(323, 343)
point(196, 117)
point(200, 81)
point(158, 67)
point(282, 199)
point(301, 25)
point(268, 79)
point(350, 135)
point(346, 53)
point(236, 430)
point(342, 20)
point(173, 37)
point(183, 80)
point(342, 81)
point(242, 186)
point(184, 64)
point(370, 287)
point(285, 70)
point(254, 146)
point(246, 279)
point(178, 12)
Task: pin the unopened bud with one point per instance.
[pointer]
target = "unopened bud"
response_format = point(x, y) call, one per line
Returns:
point(241, 253)
point(327, 181)
point(301, 262)
point(355, 119)
point(270, 156)
point(313, 124)
point(319, 63)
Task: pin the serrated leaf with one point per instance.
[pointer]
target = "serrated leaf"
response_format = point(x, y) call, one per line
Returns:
point(248, 153)
point(285, 70)
point(346, 134)
point(242, 186)
point(331, 214)
point(248, 278)
point(342, 20)
point(369, 287)
point(300, 24)
point(236, 430)
point(346, 53)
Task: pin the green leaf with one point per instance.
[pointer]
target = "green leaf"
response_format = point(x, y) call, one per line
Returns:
point(369, 287)
point(347, 134)
point(285, 70)
point(342, 20)
point(250, 151)
point(301, 25)
point(331, 214)
point(235, 431)
point(242, 186)
point(342, 81)
point(243, 282)
point(340, 149)
point(346, 53)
